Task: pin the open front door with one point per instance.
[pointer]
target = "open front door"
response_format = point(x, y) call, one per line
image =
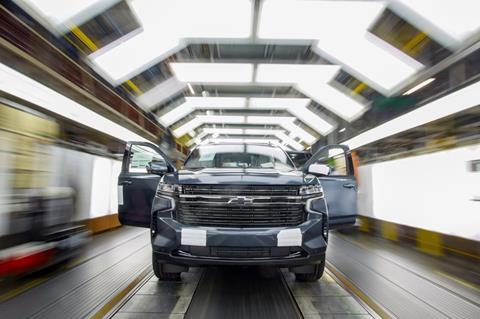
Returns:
point(334, 167)
point(143, 165)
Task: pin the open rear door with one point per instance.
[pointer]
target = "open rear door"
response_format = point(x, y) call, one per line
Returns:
point(334, 167)
point(143, 165)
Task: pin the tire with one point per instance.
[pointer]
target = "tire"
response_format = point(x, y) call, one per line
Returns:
point(161, 274)
point(316, 274)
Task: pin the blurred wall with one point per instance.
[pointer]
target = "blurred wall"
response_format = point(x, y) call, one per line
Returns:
point(94, 179)
point(434, 191)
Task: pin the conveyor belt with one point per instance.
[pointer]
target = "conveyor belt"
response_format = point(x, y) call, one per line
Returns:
point(394, 281)
point(243, 293)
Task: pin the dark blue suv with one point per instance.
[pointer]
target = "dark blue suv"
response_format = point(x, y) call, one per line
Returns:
point(237, 204)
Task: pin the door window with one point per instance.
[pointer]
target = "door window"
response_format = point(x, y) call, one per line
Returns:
point(336, 160)
point(140, 156)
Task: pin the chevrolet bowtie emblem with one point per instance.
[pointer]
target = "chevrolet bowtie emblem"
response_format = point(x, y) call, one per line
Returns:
point(241, 200)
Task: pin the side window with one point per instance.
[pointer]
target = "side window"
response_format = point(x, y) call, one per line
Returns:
point(140, 156)
point(336, 160)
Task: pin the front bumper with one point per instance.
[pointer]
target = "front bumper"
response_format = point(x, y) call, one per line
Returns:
point(180, 244)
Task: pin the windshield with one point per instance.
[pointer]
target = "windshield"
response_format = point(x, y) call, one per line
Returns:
point(238, 156)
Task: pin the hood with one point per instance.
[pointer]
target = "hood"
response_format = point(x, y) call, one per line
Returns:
point(209, 176)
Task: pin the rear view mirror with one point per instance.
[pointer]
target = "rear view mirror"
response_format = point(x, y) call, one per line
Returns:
point(157, 167)
point(319, 169)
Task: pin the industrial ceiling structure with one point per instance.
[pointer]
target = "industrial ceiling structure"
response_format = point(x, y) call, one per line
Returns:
point(283, 71)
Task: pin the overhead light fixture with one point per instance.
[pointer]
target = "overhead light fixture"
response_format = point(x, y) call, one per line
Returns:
point(452, 103)
point(223, 131)
point(203, 119)
point(160, 93)
point(164, 28)
point(448, 22)
point(126, 60)
point(309, 20)
point(312, 80)
point(19, 85)
point(419, 86)
point(286, 122)
point(60, 15)
point(341, 130)
point(190, 88)
point(242, 140)
point(263, 132)
point(198, 103)
point(213, 72)
point(295, 106)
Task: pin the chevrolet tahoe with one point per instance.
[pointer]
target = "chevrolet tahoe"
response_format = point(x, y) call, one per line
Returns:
point(237, 204)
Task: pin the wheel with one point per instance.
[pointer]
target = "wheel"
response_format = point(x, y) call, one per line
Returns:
point(314, 275)
point(160, 273)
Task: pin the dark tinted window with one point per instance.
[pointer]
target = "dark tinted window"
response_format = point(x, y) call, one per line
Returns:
point(239, 156)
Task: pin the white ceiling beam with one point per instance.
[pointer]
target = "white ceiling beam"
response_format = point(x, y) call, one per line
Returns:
point(286, 122)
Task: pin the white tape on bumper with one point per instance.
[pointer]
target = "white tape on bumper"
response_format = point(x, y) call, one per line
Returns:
point(120, 195)
point(289, 237)
point(194, 237)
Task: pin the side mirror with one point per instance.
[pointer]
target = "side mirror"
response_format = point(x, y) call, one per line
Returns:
point(319, 169)
point(157, 167)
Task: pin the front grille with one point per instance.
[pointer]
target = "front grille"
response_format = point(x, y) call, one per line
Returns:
point(241, 190)
point(240, 206)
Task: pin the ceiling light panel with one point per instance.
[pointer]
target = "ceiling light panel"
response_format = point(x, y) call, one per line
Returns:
point(450, 104)
point(213, 72)
point(197, 103)
point(62, 15)
point(160, 93)
point(264, 132)
point(211, 119)
point(448, 22)
point(19, 85)
point(286, 122)
point(166, 25)
point(296, 107)
point(349, 44)
point(241, 140)
point(312, 80)
point(135, 55)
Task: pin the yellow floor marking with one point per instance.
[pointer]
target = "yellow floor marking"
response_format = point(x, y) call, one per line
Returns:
point(110, 305)
point(28, 285)
point(458, 280)
point(343, 281)
point(37, 281)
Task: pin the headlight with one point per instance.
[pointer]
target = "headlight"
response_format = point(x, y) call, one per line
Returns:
point(168, 189)
point(311, 190)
